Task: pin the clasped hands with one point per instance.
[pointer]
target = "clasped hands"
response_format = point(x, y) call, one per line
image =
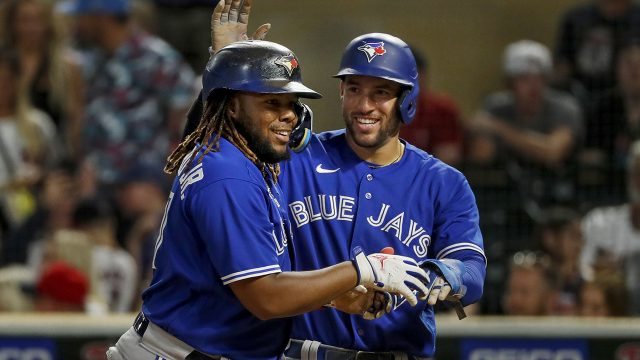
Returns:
point(386, 281)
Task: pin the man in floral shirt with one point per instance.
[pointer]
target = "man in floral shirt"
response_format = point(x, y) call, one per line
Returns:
point(139, 89)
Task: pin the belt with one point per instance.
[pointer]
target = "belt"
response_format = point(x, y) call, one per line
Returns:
point(314, 350)
point(140, 325)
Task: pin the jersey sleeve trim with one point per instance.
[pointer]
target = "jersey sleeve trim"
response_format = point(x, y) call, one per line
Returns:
point(461, 246)
point(249, 273)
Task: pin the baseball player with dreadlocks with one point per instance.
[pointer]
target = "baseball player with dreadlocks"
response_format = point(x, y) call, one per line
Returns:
point(222, 285)
point(365, 187)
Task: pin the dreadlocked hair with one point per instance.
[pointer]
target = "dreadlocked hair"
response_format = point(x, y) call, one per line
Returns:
point(215, 123)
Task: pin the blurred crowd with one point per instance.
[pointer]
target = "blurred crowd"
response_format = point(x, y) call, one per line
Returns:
point(91, 103)
point(554, 160)
point(94, 96)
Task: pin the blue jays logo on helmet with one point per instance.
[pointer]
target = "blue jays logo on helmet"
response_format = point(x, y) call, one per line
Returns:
point(288, 62)
point(373, 49)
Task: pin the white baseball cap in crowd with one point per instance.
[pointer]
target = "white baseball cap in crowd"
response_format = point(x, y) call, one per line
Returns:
point(526, 57)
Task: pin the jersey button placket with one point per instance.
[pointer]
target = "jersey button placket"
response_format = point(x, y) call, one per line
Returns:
point(369, 178)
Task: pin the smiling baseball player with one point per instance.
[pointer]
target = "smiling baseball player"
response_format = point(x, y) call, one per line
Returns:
point(363, 186)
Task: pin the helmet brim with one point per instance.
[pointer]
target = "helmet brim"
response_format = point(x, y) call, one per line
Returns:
point(289, 87)
point(349, 71)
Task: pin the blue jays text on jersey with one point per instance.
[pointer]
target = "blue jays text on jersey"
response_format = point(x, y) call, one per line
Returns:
point(421, 207)
point(223, 223)
point(342, 208)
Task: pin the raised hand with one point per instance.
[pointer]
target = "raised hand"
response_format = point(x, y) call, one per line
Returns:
point(229, 23)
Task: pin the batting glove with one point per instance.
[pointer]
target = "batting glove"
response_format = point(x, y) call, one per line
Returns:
point(391, 273)
point(383, 303)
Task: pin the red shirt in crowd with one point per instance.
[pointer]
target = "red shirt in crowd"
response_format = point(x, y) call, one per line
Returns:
point(437, 123)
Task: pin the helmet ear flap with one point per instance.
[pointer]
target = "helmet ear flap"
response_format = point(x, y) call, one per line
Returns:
point(301, 134)
point(299, 109)
point(407, 103)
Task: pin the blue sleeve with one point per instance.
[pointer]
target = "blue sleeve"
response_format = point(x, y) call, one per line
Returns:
point(233, 218)
point(474, 274)
point(457, 221)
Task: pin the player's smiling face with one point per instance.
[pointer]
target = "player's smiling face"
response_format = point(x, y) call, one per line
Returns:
point(266, 122)
point(369, 109)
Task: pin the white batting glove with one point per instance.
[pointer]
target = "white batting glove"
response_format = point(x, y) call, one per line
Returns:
point(229, 23)
point(391, 273)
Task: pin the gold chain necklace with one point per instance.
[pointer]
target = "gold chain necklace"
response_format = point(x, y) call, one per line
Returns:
point(392, 162)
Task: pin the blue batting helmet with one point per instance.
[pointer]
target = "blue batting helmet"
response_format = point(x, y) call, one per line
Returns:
point(387, 57)
point(255, 66)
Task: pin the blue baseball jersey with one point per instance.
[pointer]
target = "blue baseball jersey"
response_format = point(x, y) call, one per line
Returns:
point(420, 206)
point(223, 223)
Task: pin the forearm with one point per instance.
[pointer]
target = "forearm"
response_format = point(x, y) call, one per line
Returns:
point(549, 149)
point(473, 276)
point(293, 293)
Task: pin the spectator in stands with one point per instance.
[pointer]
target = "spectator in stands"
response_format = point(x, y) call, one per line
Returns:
point(436, 128)
point(61, 288)
point(139, 89)
point(55, 204)
point(614, 121)
point(561, 238)
point(529, 129)
point(67, 245)
point(115, 269)
point(28, 144)
point(75, 249)
point(531, 289)
point(589, 39)
point(49, 68)
point(62, 246)
point(605, 296)
point(612, 234)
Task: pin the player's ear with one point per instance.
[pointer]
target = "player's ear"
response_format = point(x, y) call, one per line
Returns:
point(234, 107)
point(341, 86)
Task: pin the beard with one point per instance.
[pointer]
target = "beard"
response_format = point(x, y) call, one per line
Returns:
point(257, 142)
point(388, 130)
